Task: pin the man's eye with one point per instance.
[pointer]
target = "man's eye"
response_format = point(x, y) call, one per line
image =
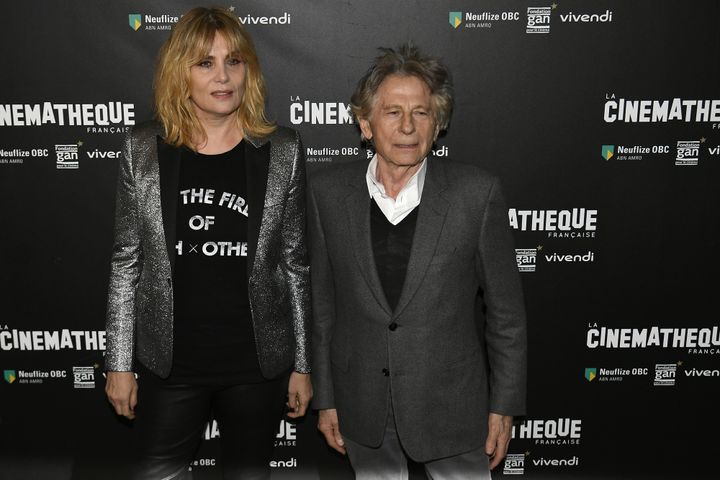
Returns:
point(393, 112)
point(421, 112)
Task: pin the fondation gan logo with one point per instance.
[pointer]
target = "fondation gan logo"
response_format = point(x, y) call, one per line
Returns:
point(9, 375)
point(135, 21)
point(455, 19)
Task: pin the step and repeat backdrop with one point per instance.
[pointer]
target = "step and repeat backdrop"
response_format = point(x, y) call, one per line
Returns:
point(602, 119)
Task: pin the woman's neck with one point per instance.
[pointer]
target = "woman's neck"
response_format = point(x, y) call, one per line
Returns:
point(221, 136)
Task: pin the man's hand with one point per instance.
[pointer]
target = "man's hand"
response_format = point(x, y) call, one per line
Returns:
point(300, 393)
point(328, 425)
point(121, 389)
point(499, 433)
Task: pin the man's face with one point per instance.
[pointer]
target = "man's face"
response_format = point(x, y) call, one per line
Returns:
point(402, 123)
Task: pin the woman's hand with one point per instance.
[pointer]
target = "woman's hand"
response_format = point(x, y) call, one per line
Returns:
point(121, 389)
point(299, 394)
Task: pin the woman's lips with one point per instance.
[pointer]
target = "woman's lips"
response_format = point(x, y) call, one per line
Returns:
point(221, 93)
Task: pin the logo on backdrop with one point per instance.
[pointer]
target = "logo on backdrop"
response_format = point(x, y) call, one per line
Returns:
point(574, 461)
point(286, 435)
point(442, 151)
point(455, 19)
point(696, 340)
point(319, 113)
point(665, 374)
point(695, 372)
point(571, 17)
point(481, 19)
point(613, 374)
point(572, 223)
point(714, 151)
point(561, 431)
point(152, 22)
point(16, 156)
point(526, 259)
point(660, 111)
point(166, 21)
point(588, 257)
point(33, 377)
point(538, 19)
point(46, 340)
point(110, 117)
point(632, 152)
point(688, 152)
point(84, 377)
point(66, 157)
point(290, 463)
point(608, 151)
point(9, 375)
point(327, 154)
point(514, 464)
point(135, 21)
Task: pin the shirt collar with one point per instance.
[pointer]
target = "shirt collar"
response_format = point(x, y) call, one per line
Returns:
point(417, 181)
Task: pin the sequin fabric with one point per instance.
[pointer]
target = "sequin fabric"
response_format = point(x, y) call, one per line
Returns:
point(139, 313)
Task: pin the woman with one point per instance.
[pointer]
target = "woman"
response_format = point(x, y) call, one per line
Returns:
point(209, 284)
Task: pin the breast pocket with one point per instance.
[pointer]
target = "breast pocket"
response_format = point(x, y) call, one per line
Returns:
point(442, 257)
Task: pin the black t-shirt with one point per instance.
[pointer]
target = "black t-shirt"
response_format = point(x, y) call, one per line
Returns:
point(213, 335)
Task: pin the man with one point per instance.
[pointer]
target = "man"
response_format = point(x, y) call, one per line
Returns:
point(400, 249)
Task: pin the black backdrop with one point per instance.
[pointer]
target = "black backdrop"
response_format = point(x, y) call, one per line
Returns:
point(537, 88)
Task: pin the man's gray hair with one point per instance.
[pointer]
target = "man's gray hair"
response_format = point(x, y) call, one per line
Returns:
point(406, 61)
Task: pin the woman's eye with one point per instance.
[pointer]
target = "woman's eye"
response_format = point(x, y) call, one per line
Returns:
point(234, 61)
point(205, 64)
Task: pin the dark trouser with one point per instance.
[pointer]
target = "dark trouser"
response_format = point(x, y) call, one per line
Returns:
point(389, 462)
point(171, 419)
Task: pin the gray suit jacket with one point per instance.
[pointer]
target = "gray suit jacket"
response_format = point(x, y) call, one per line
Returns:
point(140, 303)
point(442, 376)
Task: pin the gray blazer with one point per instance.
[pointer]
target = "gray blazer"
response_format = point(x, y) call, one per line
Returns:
point(140, 300)
point(442, 370)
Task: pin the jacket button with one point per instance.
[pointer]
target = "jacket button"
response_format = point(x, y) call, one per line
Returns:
point(386, 372)
point(393, 326)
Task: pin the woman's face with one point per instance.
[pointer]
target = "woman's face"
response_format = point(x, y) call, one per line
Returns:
point(217, 82)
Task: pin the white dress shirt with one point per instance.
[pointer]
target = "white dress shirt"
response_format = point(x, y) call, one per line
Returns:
point(396, 209)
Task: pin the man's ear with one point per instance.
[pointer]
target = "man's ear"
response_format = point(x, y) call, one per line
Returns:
point(365, 128)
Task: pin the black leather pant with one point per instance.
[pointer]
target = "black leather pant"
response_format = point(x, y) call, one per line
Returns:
point(171, 419)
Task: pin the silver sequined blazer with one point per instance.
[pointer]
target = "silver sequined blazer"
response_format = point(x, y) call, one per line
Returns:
point(140, 301)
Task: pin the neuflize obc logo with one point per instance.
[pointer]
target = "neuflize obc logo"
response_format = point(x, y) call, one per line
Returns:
point(455, 19)
point(590, 374)
point(608, 151)
point(135, 21)
point(9, 375)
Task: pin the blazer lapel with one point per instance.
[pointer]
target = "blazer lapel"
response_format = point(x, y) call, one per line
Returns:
point(169, 165)
point(257, 167)
point(357, 206)
point(431, 218)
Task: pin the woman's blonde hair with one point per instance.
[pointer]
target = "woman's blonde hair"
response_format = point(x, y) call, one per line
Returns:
point(190, 42)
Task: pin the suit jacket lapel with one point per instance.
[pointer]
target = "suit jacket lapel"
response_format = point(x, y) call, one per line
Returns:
point(257, 168)
point(357, 206)
point(431, 218)
point(169, 165)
